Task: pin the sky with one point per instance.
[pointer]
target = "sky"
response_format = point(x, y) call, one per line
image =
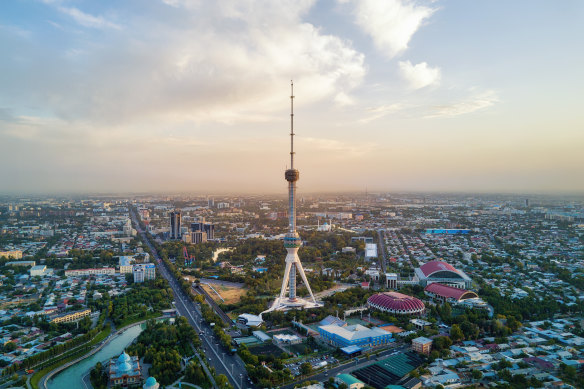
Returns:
point(194, 96)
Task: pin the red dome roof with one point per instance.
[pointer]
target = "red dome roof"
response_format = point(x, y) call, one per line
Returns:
point(396, 302)
point(435, 266)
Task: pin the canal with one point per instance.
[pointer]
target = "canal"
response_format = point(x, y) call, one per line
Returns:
point(72, 377)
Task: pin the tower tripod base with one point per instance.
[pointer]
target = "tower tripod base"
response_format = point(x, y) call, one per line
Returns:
point(286, 304)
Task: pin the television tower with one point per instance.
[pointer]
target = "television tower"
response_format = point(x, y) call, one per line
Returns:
point(292, 240)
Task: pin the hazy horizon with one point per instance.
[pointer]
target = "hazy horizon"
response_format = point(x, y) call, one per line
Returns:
point(184, 96)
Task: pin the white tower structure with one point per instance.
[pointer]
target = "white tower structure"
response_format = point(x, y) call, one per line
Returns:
point(292, 240)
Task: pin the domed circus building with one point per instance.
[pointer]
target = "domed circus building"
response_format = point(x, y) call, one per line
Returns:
point(396, 303)
point(443, 273)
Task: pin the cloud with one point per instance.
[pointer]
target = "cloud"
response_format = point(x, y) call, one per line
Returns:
point(190, 61)
point(15, 30)
point(335, 147)
point(390, 23)
point(381, 111)
point(88, 20)
point(473, 103)
point(420, 75)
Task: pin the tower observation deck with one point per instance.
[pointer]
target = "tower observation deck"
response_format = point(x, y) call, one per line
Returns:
point(292, 241)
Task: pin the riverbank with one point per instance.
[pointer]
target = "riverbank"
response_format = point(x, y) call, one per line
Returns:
point(33, 381)
point(46, 376)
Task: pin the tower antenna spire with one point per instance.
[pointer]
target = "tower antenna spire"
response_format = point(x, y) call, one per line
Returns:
point(291, 124)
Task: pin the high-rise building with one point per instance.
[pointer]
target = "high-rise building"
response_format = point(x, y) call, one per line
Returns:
point(175, 232)
point(292, 241)
point(207, 228)
point(144, 272)
point(198, 237)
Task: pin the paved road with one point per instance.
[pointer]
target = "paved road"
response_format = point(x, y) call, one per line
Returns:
point(226, 319)
point(347, 368)
point(224, 363)
point(381, 235)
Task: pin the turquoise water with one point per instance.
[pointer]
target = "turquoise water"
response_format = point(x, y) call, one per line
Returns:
point(72, 377)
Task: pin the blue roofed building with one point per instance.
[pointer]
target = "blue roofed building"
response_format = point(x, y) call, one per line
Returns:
point(125, 371)
point(151, 384)
point(355, 335)
point(350, 381)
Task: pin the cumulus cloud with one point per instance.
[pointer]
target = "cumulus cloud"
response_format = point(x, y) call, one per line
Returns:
point(475, 102)
point(390, 23)
point(182, 60)
point(420, 75)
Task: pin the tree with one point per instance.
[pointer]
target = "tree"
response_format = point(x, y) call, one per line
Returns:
point(442, 342)
point(434, 355)
point(477, 375)
point(456, 333)
point(306, 368)
point(9, 347)
point(195, 374)
point(222, 381)
point(446, 311)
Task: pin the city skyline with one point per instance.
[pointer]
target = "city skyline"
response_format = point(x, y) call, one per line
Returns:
point(395, 96)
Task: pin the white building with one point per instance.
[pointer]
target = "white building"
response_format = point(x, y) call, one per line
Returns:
point(325, 227)
point(373, 273)
point(110, 271)
point(287, 339)
point(38, 270)
point(126, 264)
point(144, 272)
point(391, 280)
point(250, 320)
point(370, 251)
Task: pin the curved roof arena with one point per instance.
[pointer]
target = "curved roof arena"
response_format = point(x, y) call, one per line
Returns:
point(450, 292)
point(432, 267)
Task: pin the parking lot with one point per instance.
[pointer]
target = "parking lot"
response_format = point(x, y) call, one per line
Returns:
point(316, 363)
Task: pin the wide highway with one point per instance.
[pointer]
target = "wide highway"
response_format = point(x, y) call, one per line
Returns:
point(217, 356)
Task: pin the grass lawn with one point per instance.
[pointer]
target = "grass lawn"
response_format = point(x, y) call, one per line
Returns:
point(35, 379)
point(230, 294)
